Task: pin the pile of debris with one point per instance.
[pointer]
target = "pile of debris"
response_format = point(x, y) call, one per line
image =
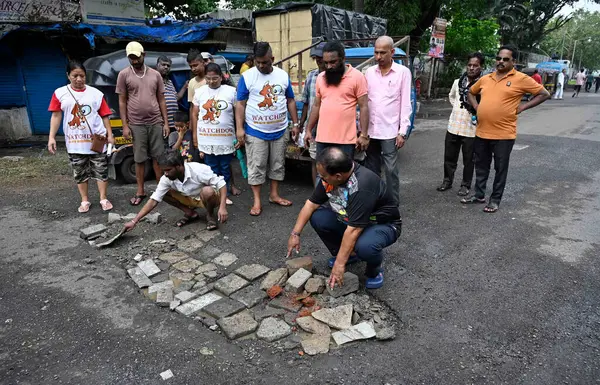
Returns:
point(289, 304)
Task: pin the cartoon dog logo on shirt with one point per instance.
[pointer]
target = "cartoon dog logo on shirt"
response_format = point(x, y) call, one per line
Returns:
point(213, 110)
point(79, 115)
point(270, 94)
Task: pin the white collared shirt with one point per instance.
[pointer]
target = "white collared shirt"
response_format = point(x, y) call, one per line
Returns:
point(196, 176)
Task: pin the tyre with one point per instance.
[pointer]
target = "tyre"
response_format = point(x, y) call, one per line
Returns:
point(128, 170)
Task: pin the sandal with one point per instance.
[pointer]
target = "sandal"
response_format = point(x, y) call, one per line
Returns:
point(106, 205)
point(491, 208)
point(255, 212)
point(463, 191)
point(84, 207)
point(472, 200)
point(444, 186)
point(137, 200)
point(186, 220)
point(211, 225)
point(280, 202)
point(228, 202)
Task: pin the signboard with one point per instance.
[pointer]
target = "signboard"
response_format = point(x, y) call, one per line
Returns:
point(438, 38)
point(38, 11)
point(113, 12)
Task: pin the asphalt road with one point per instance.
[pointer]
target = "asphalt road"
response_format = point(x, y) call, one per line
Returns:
point(508, 298)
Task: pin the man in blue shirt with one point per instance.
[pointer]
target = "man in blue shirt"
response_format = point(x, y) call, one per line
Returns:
point(264, 98)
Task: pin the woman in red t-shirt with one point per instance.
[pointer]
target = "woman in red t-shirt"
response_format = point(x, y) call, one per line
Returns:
point(82, 109)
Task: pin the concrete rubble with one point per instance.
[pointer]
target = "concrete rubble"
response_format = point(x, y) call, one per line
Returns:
point(92, 232)
point(235, 300)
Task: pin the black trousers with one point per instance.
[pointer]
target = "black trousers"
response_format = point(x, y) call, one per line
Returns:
point(588, 86)
point(453, 145)
point(484, 151)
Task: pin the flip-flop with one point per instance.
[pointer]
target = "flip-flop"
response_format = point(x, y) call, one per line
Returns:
point(228, 202)
point(211, 225)
point(254, 212)
point(84, 207)
point(472, 200)
point(106, 205)
point(186, 220)
point(137, 200)
point(281, 202)
point(491, 208)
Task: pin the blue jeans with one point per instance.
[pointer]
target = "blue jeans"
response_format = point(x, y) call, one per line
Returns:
point(220, 165)
point(347, 148)
point(369, 246)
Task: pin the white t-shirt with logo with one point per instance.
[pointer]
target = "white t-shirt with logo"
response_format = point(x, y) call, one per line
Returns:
point(77, 134)
point(215, 124)
point(266, 95)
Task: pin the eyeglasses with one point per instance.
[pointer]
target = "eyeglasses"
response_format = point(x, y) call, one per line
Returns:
point(504, 59)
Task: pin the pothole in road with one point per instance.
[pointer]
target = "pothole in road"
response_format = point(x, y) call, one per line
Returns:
point(288, 306)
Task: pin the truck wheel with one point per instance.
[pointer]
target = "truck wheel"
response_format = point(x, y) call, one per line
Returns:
point(128, 170)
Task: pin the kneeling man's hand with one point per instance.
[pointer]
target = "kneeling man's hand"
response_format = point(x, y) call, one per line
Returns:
point(129, 226)
point(223, 215)
point(337, 275)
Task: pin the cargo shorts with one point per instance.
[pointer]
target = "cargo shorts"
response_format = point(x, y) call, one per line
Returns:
point(148, 141)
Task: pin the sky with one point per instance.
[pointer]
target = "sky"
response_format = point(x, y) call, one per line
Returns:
point(585, 4)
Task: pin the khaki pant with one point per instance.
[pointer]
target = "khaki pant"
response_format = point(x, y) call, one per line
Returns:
point(266, 158)
point(192, 202)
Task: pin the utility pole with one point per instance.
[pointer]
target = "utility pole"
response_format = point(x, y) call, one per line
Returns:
point(573, 57)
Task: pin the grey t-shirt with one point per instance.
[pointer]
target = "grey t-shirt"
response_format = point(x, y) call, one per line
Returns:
point(142, 95)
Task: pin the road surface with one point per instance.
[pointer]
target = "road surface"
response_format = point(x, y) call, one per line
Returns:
point(508, 298)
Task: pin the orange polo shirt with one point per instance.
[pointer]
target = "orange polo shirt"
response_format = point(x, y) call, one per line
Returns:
point(497, 111)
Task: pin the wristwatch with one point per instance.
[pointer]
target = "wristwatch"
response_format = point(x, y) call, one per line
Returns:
point(365, 136)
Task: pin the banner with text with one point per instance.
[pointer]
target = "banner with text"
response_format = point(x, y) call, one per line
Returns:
point(438, 38)
point(114, 12)
point(38, 11)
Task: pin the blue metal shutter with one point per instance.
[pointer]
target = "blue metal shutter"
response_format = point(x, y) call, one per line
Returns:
point(44, 70)
point(11, 80)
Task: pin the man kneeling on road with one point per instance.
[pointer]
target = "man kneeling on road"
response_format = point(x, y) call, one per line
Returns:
point(353, 213)
point(187, 186)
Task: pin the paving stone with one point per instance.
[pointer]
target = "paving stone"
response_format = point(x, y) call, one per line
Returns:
point(315, 285)
point(316, 344)
point(285, 303)
point(163, 265)
point(260, 314)
point(149, 268)
point(186, 296)
point(187, 265)
point(173, 305)
point(198, 304)
point(293, 265)
point(113, 217)
point(205, 289)
point(209, 252)
point(164, 297)
point(200, 282)
point(206, 236)
point(206, 267)
point(362, 331)
point(161, 285)
point(238, 325)
point(190, 245)
point(211, 274)
point(173, 257)
point(311, 325)
point(163, 276)
point(250, 296)
point(138, 276)
point(295, 283)
point(184, 286)
point(224, 307)
point(128, 217)
point(252, 272)
point(350, 286)
point(339, 317)
point(386, 333)
point(273, 329)
point(275, 278)
point(207, 320)
point(92, 231)
point(166, 375)
point(153, 218)
point(230, 284)
point(290, 318)
point(225, 259)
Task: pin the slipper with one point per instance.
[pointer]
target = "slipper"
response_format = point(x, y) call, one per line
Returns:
point(211, 225)
point(84, 207)
point(472, 200)
point(186, 220)
point(228, 202)
point(106, 205)
point(255, 212)
point(280, 202)
point(491, 208)
point(137, 200)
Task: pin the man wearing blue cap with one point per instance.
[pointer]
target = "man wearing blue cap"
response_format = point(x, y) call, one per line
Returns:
point(308, 98)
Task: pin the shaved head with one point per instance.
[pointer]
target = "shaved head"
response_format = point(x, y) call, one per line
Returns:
point(385, 42)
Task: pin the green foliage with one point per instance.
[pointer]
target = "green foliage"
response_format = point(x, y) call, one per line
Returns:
point(583, 28)
point(467, 35)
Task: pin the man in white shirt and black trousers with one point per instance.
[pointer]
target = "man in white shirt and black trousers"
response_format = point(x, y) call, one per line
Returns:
point(187, 186)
